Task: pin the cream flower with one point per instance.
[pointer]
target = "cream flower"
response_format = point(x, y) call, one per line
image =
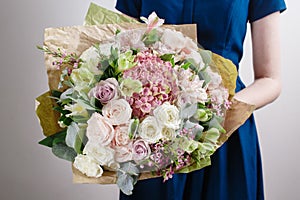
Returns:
point(99, 130)
point(117, 111)
point(167, 115)
point(88, 166)
point(149, 130)
point(168, 133)
point(103, 155)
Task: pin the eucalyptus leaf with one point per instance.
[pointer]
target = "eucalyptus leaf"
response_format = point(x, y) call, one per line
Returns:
point(206, 56)
point(62, 151)
point(188, 110)
point(125, 182)
point(130, 168)
point(72, 133)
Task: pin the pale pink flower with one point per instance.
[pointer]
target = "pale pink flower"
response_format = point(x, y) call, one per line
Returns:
point(117, 111)
point(99, 130)
point(122, 135)
point(152, 22)
point(123, 153)
point(191, 88)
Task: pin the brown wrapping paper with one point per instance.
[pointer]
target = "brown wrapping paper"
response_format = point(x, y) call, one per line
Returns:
point(77, 39)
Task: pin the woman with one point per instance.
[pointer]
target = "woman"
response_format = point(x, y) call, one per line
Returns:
point(236, 172)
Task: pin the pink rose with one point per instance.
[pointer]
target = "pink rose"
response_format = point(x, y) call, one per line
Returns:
point(117, 111)
point(122, 135)
point(123, 153)
point(99, 130)
point(105, 90)
point(141, 150)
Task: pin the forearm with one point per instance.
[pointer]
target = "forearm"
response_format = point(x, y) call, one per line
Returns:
point(261, 92)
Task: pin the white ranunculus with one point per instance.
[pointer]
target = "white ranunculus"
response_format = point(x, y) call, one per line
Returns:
point(103, 155)
point(167, 115)
point(99, 130)
point(117, 111)
point(88, 166)
point(149, 130)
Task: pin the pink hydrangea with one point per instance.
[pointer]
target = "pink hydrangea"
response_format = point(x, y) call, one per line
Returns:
point(158, 80)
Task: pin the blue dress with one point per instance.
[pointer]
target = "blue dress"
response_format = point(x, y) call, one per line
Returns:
point(236, 171)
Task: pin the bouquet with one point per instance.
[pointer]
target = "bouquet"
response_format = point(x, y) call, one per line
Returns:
point(144, 102)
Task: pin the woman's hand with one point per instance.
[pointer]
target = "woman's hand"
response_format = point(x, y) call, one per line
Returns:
point(266, 62)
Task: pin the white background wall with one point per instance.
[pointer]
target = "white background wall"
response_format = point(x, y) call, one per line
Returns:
point(30, 171)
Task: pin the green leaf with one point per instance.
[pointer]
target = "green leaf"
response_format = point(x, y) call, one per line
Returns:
point(215, 122)
point(133, 127)
point(61, 150)
point(186, 65)
point(48, 141)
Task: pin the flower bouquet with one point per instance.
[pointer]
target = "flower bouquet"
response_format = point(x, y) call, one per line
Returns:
point(132, 101)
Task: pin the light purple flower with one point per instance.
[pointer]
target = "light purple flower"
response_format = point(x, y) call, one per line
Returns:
point(105, 90)
point(141, 150)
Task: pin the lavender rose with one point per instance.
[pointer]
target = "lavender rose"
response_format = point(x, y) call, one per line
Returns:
point(141, 150)
point(105, 90)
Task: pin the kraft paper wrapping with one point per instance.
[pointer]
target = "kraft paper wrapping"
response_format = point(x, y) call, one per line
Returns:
point(77, 39)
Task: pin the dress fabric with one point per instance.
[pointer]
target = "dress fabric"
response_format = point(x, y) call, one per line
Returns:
point(236, 171)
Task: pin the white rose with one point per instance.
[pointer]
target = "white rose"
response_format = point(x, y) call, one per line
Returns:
point(168, 133)
point(117, 111)
point(167, 115)
point(103, 155)
point(99, 130)
point(149, 130)
point(88, 166)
